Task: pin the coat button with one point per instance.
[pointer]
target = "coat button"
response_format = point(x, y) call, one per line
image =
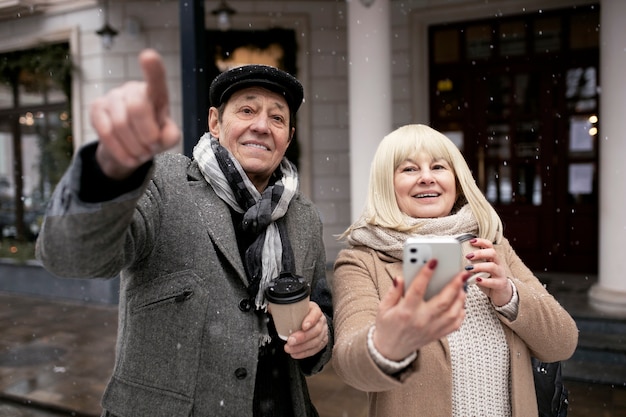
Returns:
point(245, 305)
point(241, 373)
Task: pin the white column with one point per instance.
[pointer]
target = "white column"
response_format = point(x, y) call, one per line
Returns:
point(370, 95)
point(609, 294)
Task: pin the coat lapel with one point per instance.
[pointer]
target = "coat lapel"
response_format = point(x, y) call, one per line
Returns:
point(217, 220)
point(394, 269)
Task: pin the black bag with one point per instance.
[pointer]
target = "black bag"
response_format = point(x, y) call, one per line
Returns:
point(552, 396)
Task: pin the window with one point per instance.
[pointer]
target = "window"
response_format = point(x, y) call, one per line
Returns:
point(35, 138)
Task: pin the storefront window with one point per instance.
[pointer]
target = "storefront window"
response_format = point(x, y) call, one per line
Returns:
point(35, 140)
point(479, 42)
point(585, 30)
point(548, 35)
point(446, 48)
point(512, 38)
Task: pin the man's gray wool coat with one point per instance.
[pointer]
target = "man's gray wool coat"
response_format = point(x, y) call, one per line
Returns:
point(188, 338)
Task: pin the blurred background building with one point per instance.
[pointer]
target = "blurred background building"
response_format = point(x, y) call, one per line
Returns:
point(515, 83)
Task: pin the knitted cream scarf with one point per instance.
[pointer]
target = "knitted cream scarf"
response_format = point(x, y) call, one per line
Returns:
point(391, 241)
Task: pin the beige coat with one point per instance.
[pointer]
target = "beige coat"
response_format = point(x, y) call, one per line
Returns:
point(363, 276)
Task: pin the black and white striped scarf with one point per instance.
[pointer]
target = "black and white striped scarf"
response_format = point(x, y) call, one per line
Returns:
point(271, 252)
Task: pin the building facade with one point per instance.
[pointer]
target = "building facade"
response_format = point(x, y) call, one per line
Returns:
point(366, 67)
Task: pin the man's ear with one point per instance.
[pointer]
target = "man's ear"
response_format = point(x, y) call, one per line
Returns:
point(293, 132)
point(214, 125)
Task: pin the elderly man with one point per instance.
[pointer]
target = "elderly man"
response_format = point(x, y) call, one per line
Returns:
point(195, 243)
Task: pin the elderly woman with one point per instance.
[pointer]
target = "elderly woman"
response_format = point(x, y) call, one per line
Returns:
point(466, 351)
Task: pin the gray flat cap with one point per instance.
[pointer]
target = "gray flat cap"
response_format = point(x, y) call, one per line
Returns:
point(272, 78)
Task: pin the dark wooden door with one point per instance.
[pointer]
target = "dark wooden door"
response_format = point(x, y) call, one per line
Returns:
point(520, 98)
point(523, 148)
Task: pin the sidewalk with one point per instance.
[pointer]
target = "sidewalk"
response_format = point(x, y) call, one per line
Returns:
point(56, 358)
point(55, 354)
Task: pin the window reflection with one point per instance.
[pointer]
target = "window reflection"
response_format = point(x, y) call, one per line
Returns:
point(446, 46)
point(582, 89)
point(512, 38)
point(499, 99)
point(479, 43)
point(35, 136)
point(449, 98)
point(498, 154)
point(584, 30)
point(547, 35)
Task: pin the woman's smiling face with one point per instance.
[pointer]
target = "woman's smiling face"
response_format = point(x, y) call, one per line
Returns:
point(425, 188)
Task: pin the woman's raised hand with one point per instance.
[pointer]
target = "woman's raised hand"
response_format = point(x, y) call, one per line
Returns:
point(406, 323)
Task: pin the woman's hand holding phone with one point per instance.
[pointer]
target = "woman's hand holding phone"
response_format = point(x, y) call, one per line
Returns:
point(406, 321)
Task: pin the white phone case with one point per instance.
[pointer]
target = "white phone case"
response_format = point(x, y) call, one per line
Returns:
point(419, 250)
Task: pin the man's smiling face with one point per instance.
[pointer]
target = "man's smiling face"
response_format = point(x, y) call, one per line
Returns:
point(255, 129)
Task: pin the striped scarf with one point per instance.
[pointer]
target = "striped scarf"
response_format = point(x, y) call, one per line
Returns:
point(271, 252)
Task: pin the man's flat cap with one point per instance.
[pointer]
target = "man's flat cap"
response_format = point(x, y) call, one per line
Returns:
point(272, 78)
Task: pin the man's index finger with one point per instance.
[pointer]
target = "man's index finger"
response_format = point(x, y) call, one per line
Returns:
point(154, 74)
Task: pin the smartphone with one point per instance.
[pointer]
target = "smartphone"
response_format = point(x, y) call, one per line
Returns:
point(419, 250)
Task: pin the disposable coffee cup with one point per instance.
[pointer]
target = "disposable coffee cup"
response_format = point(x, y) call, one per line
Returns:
point(288, 303)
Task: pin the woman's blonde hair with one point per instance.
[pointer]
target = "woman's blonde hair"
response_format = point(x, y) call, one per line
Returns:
point(405, 142)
